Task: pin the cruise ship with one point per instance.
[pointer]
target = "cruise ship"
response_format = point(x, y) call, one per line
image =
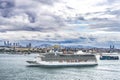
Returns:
point(57, 59)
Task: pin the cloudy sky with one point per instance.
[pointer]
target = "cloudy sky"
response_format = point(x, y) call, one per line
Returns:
point(87, 21)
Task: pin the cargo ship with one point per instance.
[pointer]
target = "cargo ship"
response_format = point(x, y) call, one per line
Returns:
point(109, 56)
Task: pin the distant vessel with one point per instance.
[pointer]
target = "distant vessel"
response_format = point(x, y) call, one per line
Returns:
point(109, 56)
point(61, 60)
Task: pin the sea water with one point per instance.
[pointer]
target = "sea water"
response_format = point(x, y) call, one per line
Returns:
point(14, 67)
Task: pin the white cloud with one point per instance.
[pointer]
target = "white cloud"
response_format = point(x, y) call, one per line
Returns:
point(59, 20)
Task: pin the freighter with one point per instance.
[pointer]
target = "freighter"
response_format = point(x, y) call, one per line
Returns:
point(109, 56)
point(57, 59)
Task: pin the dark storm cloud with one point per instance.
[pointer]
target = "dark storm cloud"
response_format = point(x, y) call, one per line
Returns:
point(115, 12)
point(99, 19)
point(47, 2)
point(37, 20)
point(60, 21)
point(78, 19)
point(108, 2)
point(107, 25)
point(55, 23)
point(32, 16)
point(6, 6)
point(70, 8)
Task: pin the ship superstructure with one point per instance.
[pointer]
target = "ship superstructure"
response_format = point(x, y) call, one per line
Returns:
point(56, 59)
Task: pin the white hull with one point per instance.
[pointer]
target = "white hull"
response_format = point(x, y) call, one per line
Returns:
point(61, 64)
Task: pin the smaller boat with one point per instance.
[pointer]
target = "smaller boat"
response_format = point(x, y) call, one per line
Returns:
point(109, 56)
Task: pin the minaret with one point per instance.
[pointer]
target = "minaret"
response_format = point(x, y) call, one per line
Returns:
point(4, 43)
point(110, 46)
point(113, 47)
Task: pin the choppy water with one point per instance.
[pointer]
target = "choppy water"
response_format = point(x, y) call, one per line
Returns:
point(13, 67)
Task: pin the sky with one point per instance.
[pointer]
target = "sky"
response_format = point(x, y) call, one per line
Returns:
point(86, 22)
